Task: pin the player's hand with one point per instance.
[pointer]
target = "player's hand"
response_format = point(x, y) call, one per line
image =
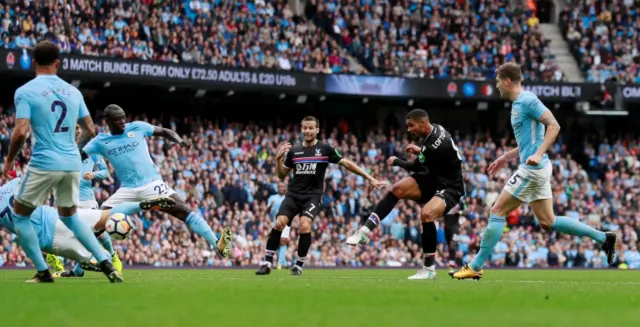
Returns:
point(88, 176)
point(284, 148)
point(7, 168)
point(495, 166)
point(185, 144)
point(534, 159)
point(377, 184)
point(412, 148)
point(391, 160)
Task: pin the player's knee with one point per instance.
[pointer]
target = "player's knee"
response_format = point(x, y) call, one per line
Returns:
point(281, 223)
point(498, 210)
point(305, 225)
point(546, 224)
point(399, 190)
point(427, 216)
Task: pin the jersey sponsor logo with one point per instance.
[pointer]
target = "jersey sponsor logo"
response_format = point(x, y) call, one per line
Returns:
point(307, 168)
point(123, 149)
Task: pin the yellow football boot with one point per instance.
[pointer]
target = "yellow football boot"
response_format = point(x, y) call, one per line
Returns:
point(55, 262)
point(116, 262)
point(466, 273)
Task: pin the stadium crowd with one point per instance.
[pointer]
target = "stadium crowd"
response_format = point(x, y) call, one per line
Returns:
point(229, 176)
point(604, 39)
point(434, 39)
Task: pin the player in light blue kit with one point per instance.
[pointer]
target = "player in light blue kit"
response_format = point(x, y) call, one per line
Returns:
point(55, 238)
point(125, 147)
point(531, 183)
point(51, 108)
point(273, 205)
point(88, 201)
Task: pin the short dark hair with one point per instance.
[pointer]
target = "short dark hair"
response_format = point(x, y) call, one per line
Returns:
point(311, 118)
point(46, 53)
point(110, 109)
point(511, 71)
point(417, 114)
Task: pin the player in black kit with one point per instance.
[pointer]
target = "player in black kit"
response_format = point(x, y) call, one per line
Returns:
point(436, 183)
point(309, 163)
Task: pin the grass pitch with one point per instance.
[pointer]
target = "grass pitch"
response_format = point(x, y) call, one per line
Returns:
point(336, 298)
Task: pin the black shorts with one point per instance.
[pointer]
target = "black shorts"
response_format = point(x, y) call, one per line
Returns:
point(294, 205)
point(429, 189)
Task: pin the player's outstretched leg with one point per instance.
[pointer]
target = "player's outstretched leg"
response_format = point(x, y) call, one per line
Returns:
point(272, 245)
point(198, 225)
point(543, 209)
point(406, 188)
point(304, 243)
point(28, 239)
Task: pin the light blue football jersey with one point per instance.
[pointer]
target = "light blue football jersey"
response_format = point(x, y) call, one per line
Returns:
point(527, 127)
point(128, 153)
point(53, 107)
point(43, 219)
point(274, 202)
point(102, 172)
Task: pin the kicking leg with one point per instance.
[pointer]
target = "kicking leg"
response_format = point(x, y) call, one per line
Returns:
point(543, 210)
point(492, 234)
point(406, 188)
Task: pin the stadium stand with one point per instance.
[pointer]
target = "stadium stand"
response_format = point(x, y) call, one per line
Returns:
point(603, 39)
point(438, 39)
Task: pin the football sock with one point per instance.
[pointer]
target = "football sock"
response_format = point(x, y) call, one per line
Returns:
point(272, 245)
point(282, 253)
point(429, 242)
point(492, 235)
point(29, 241)
point(199, 226)
point(381, 211)
point(574, 227)
point(304, 243)
point(77, 270)
point(127, 208)
point(105, 239)
point(85, 235)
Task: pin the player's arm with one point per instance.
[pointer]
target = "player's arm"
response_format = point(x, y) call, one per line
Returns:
point(284, 161)
point(540, 112)
point(352, 167)
point(103, 171)
point(511, 154)
point(87, 129)
point(412, 166)
point(22, 127)
point(170, 135)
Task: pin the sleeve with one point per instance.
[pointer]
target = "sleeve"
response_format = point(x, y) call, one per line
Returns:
point(288, 161)
point(84, 111)
point(21, 102)
point(146, 128)
point(92, 148)
point(334, 155)
point(103, 170)
point(535, 108)
point(270, 201)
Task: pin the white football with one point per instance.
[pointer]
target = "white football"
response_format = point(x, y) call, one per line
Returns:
point(119, 226)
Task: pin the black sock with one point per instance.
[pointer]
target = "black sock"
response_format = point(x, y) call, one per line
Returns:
point(429, 242)
point(272, 245)
point(304, 243)
point(382, 209)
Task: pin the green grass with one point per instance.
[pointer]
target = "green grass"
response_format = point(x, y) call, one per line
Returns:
point(350, 298)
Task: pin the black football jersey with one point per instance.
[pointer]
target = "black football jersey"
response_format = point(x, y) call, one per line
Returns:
point(309, 166)
point(440, 155)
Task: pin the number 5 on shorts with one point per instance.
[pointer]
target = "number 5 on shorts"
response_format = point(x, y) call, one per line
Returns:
point(515, 181)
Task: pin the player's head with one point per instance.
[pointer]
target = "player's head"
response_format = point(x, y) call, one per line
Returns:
point(116, 118)
point(310, 128)
point(46, 57)
point(418, 124)
point(509, 77)
point(282, 189)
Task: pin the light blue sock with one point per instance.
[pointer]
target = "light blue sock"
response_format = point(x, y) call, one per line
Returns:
point(574, 227)
point(77, 270)
point(84, 234)
point(105, 239)
point(127, 208)
point(491, 236)
point(282, 253)
point(29, 240)
point(199, 226)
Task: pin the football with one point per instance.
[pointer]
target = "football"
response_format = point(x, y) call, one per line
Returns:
point(119, 226)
